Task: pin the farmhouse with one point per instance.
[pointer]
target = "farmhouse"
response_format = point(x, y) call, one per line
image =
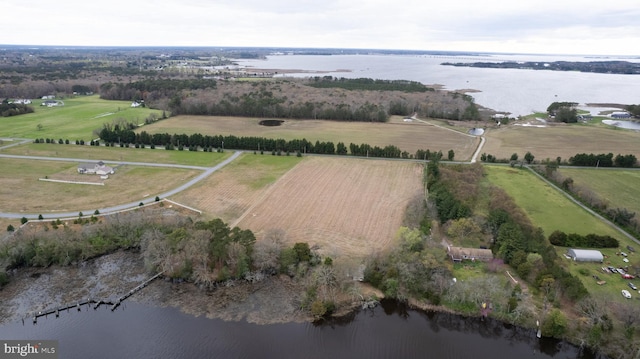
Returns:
point(458, 254)
point(95, 168)
point(585, 255)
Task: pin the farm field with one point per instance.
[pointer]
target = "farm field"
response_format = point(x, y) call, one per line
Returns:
point(77, 119)
point(348, 208)
point(204, 159)
point(560, 141)
point(620, 188)
point(550, 210)
point(408, 136)
point(229, 192)
point(23, 192)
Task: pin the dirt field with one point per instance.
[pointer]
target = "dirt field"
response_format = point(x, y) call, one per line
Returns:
point(347, 207)
point(408, 136)
point(229, 192)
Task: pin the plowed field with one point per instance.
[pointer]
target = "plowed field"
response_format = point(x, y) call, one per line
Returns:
point(346, 207)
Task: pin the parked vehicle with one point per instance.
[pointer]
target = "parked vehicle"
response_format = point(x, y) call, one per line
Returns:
point(631, 249)
point(626, 294)
point(627, 276)
point(632, 286)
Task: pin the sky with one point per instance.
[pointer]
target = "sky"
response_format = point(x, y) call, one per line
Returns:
point(585, 27)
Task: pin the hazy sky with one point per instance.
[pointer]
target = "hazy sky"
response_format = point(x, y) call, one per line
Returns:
point(524, 26)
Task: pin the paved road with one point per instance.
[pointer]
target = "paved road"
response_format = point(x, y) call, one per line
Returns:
point(207, 171)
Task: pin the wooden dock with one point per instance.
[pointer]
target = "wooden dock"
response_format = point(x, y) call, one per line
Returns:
point(92, 302)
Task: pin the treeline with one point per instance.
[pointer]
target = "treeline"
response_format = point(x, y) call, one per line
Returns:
point(203, 252)
point(603, 160)
point(368, 84)
point(559, 238)
point(266, 104)
point(139, 90)
point(124, 135)
point(13, 109)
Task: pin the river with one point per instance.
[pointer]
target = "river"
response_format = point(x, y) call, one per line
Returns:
point(388, 331)
point(515, 91)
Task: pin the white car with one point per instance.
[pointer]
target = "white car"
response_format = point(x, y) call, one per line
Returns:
point(626, 294)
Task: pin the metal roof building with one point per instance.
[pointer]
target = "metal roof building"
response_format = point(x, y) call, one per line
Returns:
point(585, 255)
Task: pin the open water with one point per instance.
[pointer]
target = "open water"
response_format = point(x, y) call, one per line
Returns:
point(515, 91)
point(388, 331)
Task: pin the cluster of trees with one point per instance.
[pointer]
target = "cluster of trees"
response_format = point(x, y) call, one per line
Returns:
point(202, 252)
point(368, 84)
point(528, 158)
point(563, 111)
point(559, 238)
point(154, 87)
point(515, 240)
point(416, 267)
point(265, 103)
point(603, 160)
point(13, 109)
point(633, 110)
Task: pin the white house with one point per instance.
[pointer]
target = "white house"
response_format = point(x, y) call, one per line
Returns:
point(95, 168)
point(585, 255)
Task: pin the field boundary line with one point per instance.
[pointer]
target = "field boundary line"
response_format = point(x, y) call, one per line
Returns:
point(71, 182)
point(183, 206)
point(262, 197)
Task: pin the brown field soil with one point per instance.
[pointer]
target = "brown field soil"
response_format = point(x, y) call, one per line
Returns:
point(346, 207)
point(408, 136)
point(229, 192)
point(23, 192)
point(560, 140)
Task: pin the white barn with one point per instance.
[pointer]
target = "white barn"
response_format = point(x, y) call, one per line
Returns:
point(585, 255)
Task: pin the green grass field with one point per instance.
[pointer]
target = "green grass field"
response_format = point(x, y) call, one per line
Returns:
point(546, 207)
point(551, 210)
point(620, 188)
point(77, 119)
point(205, 159)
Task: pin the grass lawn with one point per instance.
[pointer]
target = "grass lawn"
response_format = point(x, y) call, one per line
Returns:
point(620, 188)
point(23, 192)
point(546, 207)
point(77, 119)
point(205, 159)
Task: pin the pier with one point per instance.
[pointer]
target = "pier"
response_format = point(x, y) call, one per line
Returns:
point(95, 303)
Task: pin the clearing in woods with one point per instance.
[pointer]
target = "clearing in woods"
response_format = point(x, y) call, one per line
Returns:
point(346, 207)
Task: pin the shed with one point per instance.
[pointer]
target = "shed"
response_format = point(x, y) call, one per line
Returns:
point(585, 255)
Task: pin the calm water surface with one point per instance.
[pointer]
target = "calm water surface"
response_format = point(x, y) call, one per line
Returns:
point(519, 92)
point(390, 331)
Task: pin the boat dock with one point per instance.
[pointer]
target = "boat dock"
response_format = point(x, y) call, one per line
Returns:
point(95, 303)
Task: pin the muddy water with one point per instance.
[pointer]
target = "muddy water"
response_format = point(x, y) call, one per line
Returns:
point(145, 331)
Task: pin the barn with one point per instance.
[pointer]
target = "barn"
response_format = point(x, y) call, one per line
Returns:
point(585, 255)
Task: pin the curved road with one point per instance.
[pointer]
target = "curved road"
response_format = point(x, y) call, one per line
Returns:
point(207, 171)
